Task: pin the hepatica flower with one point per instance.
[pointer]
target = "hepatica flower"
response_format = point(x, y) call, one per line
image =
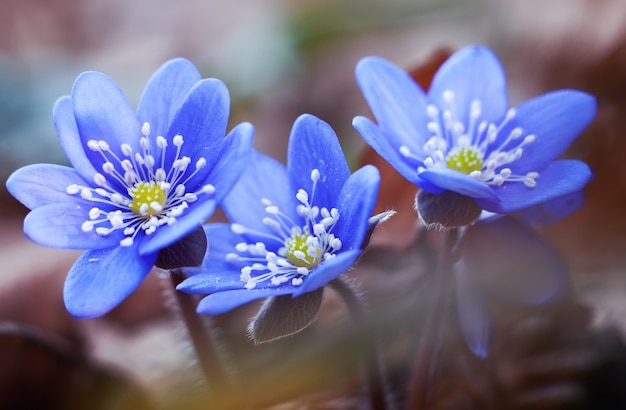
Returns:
point(140, 181)
point(294, 228)
point(503, 261)
point(462, 137)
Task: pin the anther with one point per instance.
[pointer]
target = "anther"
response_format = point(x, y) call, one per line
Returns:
point(315, 175)
point(432, 111)
point(145, 129)
point(405, 151)
point(126, 149)
point(237, 228)
point(93, 145)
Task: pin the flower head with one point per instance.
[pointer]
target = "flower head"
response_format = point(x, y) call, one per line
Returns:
point(140, 181)
point(462, 137)
point(293, 228)
point(503, 261)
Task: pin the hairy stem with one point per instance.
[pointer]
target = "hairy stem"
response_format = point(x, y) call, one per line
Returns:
point(423, 366)
point(374, 373)
point(209, 359)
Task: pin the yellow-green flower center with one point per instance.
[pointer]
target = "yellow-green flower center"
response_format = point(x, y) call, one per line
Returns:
point(465, 160)
point(301, 252)
point(148, 198)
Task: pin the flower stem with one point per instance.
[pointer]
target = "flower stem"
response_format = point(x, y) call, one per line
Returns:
point(374, 373)
point(209, 359)
point(422, 369)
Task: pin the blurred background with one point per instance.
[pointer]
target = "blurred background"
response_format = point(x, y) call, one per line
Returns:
point(280, 59)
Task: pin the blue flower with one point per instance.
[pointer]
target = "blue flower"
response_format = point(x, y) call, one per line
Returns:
point(140, 181)
point(294, 228)
point(462, 137)
point(503, 261)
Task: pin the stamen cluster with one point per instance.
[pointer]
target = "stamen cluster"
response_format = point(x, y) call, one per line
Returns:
point(476, 149)
point(301, 246)
point(152, 192)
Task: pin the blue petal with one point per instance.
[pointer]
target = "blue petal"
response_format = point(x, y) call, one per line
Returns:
point(473, 316)
point(42, 184)
point(396, 100)
point(58, 225)
point(232, 160)
point(69, 137)
point(201, 120)
point(558, 179)
point(555, 119)
point(101, 279)
point(472, 73)
point(381, 143)
point(233, 156)
point(356, 204)
point(554, 210)
point(451, 180)
point(314, 145)
point(222, 241)
point(205, 283)
point(327, 271)
point(222, 302)
point(102, 112)
point(507, 259)
point(164, 94)
point(263, 178)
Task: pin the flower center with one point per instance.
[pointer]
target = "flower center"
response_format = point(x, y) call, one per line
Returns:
point(148, 198)
point(294, 249)
point(465, 160)
point(303, 251)
point(477, 148)
point(139, 191)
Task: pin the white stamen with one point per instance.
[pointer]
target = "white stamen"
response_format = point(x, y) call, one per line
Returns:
point(304, 245)
point(99, 179)
point(93, 145)
point(405, 151)
point(315, 175)
point(145, 129)
point(126, 242)
point(161, 142)
point(138, 211)
point(126, 149)
point(108, 168)
point(237, 228)
point(103, 145)
point(483, 141)
point(72, 189)
point(94, 213)
point(302, 196)
point(272, 210)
